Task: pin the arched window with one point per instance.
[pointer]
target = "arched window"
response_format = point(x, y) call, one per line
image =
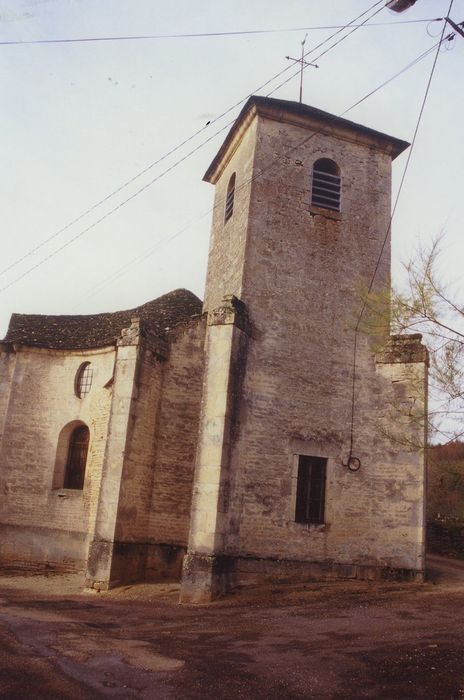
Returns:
point(326, 186)
point(77, 458)
point(83, 380)
point(229, 209)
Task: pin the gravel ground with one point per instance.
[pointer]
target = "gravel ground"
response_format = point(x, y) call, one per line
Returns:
point(340, 640)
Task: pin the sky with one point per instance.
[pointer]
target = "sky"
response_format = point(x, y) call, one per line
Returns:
point(79, 120)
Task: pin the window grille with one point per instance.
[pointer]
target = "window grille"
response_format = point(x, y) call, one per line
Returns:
point(310, 492)
point(229, 209)
point(326, 185)
point(83, 381)
point(77, 458)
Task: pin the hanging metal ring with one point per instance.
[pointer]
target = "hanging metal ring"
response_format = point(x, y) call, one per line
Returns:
point(354, 464)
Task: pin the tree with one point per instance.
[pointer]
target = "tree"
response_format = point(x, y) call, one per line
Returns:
point(428, 305)
point(445, 493)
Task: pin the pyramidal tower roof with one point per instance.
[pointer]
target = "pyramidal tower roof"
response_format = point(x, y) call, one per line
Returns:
point(302, 115)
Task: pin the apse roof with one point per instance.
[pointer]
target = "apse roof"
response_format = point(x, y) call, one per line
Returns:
point(160, 316)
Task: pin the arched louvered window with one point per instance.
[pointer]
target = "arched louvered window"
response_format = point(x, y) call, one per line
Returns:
point(326, 185)
point(229, 209)
point(83, 380)
point(77, 458)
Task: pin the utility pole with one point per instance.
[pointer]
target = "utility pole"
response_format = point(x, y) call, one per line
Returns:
point(402, 5)
point(455, 26)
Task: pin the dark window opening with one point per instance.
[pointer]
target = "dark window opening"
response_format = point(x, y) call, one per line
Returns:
point(77, 458)
point(310, 490)
point(83, 380)
point(230, 199)
point(326, 186)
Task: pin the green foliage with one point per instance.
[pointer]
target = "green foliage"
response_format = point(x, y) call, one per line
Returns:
point(427, 304)
point(445, 494)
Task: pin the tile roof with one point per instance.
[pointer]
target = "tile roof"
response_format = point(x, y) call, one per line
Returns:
point(159, 316)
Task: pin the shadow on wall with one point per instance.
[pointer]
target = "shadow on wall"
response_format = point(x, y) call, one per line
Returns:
point(45, 521)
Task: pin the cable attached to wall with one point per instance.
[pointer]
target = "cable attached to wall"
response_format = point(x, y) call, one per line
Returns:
point(353, 463)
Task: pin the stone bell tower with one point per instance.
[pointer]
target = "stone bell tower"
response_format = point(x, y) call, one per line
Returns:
point(301, 222)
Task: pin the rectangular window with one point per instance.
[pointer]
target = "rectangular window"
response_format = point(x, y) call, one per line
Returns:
point(310, 490)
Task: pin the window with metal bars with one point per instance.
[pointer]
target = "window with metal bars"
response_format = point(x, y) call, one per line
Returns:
point(77, 458)
point(229, 208)
point(83, 380)
point(310, 490)
point(326, 184)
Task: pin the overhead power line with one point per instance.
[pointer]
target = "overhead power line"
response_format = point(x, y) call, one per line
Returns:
point(387, 233)
point(140, 258)
point(201, 35)
point(339, 41)
point(144, 255)
point(173, 150)
point(108, 214)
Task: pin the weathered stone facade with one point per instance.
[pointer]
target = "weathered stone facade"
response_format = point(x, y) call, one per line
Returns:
point(281, 386)
point(272, 374)
point(39, 521)
point(142, 412)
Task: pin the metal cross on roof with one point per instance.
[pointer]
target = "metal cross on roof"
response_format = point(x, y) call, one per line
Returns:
point(303, 65)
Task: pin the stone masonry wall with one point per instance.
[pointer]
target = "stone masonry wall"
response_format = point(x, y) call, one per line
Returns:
point(304, 271)
point(144, 511)
point(7, 366)
point(40, 523)
point(228, 241)
point(177, 437)
point(138, 471)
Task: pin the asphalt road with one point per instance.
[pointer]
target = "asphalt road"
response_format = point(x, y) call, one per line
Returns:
point(330, 640)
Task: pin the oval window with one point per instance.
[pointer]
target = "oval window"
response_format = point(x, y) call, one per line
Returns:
point(83, 381)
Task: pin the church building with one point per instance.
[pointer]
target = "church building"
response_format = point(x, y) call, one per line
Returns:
point(259, 435)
